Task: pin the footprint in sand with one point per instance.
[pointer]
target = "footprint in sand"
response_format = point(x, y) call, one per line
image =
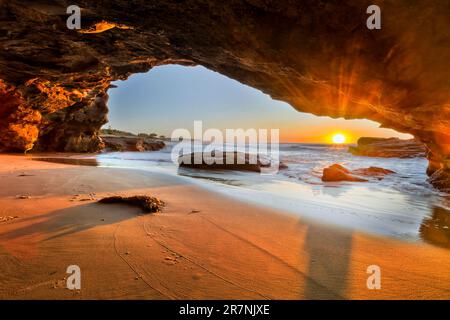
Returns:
point(25, 175)
point(196, 276)
point(170, 260)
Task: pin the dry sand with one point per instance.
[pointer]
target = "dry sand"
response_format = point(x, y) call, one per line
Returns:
point(202, 246)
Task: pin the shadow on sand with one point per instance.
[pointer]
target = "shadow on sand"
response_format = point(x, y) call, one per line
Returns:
point(69, 221)
point(328, 267)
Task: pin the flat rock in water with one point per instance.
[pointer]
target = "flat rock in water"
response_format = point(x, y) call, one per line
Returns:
point(237, 161)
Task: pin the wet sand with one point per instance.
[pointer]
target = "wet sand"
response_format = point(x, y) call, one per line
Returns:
point(202, 246)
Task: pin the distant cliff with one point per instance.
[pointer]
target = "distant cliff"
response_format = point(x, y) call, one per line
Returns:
point(131, 143)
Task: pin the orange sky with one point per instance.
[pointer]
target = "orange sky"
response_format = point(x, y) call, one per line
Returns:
point(323, 131)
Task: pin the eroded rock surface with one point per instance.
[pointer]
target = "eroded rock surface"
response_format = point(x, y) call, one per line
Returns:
point(316, 55)
point(388, 148)
point(75, 128)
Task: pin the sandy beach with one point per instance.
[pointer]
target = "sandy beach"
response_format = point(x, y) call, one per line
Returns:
point(202, 246)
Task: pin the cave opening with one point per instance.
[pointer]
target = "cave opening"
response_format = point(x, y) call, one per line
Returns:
point(174, 96)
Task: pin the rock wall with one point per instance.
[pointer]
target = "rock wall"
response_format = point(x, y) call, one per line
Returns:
point(316, 55)
point(75, 128)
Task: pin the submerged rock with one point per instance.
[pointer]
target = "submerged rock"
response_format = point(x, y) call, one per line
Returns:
point(131, 143)
point(373, 171)
point(388, 148)
point(147, 203)
point(336, 172)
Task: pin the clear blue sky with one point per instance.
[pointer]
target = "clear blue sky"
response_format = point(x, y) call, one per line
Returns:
point(172, 96)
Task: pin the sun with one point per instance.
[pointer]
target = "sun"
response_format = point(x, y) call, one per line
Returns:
point(338, 138)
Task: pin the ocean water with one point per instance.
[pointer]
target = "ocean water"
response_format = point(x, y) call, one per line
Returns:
point(402, 205)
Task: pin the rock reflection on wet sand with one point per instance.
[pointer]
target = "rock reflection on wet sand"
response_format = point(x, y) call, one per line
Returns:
point(436, 229)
